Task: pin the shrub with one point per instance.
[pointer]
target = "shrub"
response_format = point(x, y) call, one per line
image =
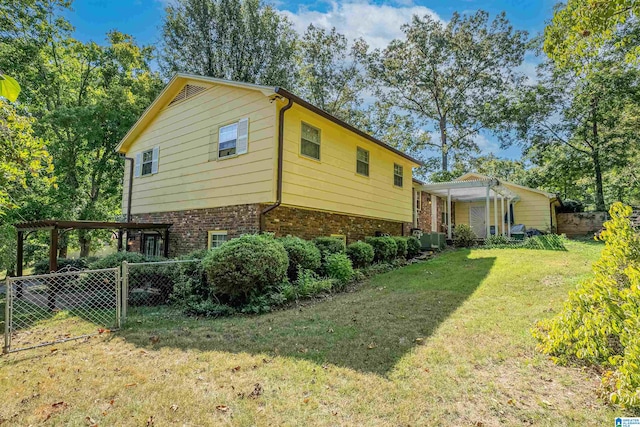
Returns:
point(302, 254)
point(191, 285)
point(308, 284)
point(552, 242)
point(463, 236)
point(339, 267)
point(414, 247)
point(401, 243)
point(329, 245)
point(600, 321)
point(247, 265)
point(42, 266)
point(496, 240)
point(384, 248)
point(115, 260)
point(361, 254)
point(208, 308)
point(263, 302)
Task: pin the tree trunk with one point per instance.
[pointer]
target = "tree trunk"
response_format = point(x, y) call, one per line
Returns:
point(85, 244)
point(597, 167)
point(444, 145)
point(600, 206)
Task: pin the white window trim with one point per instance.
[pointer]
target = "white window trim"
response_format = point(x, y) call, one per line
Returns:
point(139, 162)
point(212, 233)
point(396, 175)
point(241, 141)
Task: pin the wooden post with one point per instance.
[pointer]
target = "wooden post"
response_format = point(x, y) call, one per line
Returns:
point(509, 217)
point(120, 240)
point(449, 231)
point(487, 207)
point(434, 213)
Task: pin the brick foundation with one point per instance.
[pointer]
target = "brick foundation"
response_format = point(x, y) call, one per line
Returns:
point(189, 230)
point(309, 224)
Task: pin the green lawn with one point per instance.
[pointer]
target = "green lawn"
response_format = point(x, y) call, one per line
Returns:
point(444, 342)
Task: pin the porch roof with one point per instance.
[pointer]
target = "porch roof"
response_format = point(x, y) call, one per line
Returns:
point(470, 191)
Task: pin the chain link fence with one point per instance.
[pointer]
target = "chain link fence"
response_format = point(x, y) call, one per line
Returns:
point(154, 289)
point(57, 307)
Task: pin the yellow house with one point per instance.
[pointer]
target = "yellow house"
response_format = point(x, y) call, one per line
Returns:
point(218, 159)
point(492, 206)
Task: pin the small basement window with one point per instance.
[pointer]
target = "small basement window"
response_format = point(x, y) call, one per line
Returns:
point(362, 162)
point(310, 142)
point(397, 175)
point(216, 238)
point(340, 236)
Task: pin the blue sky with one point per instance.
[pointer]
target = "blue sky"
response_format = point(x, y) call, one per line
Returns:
point(378, 22)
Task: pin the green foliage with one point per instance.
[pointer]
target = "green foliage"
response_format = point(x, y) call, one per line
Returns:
point(42, 266)
point(263, 302)
point(414, 247)
point(463, 236)
point(9, 88)
point(401, 243)
point(384, 248)
point(302, 254)
point(241, 40)
point(329, 245)
point(306, 285)
point(552, 242)
point(437, 64)
point(115, 260)
point(191, 287)
point(339, 267)
point(496, 240)
point(208, 308)
point(360, 253)
point(600, 321)
point(246, 266)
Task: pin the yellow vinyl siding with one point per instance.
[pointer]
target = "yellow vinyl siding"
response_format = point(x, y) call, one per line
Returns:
point(186, 179)
point(532, 210)
point(331, 183)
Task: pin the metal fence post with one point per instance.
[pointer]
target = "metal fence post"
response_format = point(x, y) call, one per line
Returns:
point(124, 292)
point(118, 285)
point(7, 317)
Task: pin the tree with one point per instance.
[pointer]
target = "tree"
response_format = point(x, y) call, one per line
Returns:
point(585, 115)
point(329, 75)
point(9, 87)
point(581, 27)
point(240, 40)
point(453, 76)
point(71, 88)
point(492, 165)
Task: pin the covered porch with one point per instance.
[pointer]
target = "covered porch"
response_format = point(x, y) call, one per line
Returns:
point(489, 201)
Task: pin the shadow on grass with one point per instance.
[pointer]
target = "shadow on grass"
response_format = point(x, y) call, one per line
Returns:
point(367, 330)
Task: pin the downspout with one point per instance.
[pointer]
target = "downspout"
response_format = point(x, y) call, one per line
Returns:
point(280, 162)
point(130, 187)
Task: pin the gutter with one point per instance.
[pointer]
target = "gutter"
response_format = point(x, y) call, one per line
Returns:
point(280, 161)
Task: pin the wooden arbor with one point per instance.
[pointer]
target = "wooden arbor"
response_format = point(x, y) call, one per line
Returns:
point(55, 227)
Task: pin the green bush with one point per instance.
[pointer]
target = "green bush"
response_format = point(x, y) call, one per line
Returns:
point(42, 266)
point(329, 245)
point(496, 240)
point(302, 254)
point(384, 248)
point(414, 247)
point(339, 267)
point(463, 236)
point(360, 253)
point(245, 266)
point(306, 285)
point(600, 321)
point(550, 242)
point(115, 260)
point(191, 287)
point(263, 302)
point(208, 308)
point(401, 243)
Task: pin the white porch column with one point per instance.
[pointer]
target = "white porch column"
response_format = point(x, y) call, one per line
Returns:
point(434, 213)
point(449, 235)
point(504, 233)
point(495, 212)
point(487, 221)
point(509, 217)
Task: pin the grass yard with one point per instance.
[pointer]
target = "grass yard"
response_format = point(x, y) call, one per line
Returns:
point(445, 342)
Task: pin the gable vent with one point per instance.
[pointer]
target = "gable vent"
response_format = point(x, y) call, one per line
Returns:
point(187, 92)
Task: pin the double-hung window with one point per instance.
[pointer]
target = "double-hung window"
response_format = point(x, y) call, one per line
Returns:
point(232, 140)
point(310, 142)
point(216, 238)
point(397, 175)
point(362, 162)
point(146, 163)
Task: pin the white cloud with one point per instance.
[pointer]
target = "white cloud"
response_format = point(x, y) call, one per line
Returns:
point(486, 145)
point(377, 24)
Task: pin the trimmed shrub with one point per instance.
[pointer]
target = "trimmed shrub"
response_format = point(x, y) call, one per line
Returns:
point(600, 321)
point(414, 247)
point(360, 253)
point(463, 236)
point(401, 243)
point(245, 266)
point(339, 267)
point(329, 245)
point(115, 260)
point(384, 248)
point(302, 254)
point(42, 266)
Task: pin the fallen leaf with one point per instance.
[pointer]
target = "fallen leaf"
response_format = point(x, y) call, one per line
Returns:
point(222, 408)
point(150, 421)
point(419, 340)
point(511, 402)
point(90, 422)
point(154, 339)
point(131, 385)
point(427, 370)
point(479, 424)
point(103, 331)
point(174, 407)
point(306, 400)
point(372, 346)
point(236, 369)
point(53, 350)
point(59, 404)
point(257, 391)
point(330, 330)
